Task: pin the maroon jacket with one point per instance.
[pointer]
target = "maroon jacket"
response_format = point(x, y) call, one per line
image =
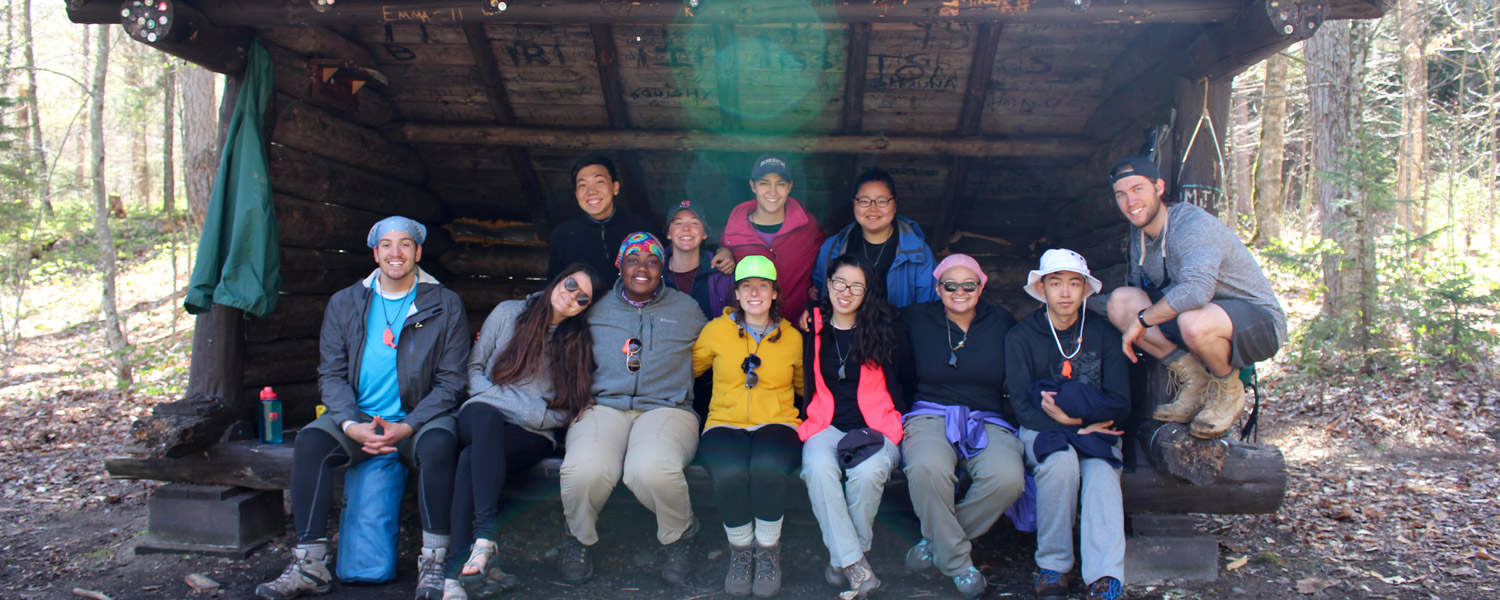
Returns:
point(793, 250)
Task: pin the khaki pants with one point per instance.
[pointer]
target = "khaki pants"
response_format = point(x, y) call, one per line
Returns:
point(649, 448)
point(999, 478)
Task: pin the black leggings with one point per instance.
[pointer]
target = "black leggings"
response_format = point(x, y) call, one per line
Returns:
point(751, 470)
point(493, 449)
point(317, 454)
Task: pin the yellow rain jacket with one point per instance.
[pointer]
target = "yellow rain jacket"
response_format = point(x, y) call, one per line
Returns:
point(772, 400)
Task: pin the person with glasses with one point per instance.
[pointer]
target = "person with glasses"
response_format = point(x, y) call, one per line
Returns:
point(963, 462)
point(530, 374)
point(1194, 298)
point(641, 426)
point(1069, 387)
point(750, 444)
point(891, 244)
point(391, 369)
point(853, 425)
point(776, 226)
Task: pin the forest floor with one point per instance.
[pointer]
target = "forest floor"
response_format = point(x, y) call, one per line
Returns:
point(1394, 488)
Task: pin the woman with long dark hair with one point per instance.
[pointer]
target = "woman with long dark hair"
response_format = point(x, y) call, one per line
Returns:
point(853, 424)
point(749, 442)
point(530, 374)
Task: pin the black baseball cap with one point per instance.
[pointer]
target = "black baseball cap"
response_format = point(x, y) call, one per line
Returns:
point(1133, 165)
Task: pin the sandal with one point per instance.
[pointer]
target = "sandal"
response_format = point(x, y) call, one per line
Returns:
point(480, 556)
point(453, 590)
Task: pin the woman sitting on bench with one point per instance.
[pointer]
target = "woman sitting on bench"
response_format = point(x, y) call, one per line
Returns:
point(749, 443)
point(529, 375)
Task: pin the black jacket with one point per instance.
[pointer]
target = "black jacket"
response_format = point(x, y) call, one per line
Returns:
point(431, 354)
point(1032, 354)
point(978, 379)
point(594, 243)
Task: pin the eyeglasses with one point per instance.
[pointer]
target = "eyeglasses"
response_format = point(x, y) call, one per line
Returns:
point(839, 285)
point(953, 286)
point(582, 298)
point(632, 350)
point(878, 201)
point(751, 363)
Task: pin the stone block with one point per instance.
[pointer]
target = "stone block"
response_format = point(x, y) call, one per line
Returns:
point(1167, 547)
point(211, 519)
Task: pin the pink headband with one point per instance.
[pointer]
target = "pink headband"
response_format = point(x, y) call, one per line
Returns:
point(960, 260)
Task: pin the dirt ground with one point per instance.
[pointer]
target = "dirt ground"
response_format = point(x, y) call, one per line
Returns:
point(1394, 492)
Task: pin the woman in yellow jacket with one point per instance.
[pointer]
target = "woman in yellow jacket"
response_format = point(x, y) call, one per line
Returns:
point(750, 443)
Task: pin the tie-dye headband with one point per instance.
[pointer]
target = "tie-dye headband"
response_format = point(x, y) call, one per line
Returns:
point(640, 241)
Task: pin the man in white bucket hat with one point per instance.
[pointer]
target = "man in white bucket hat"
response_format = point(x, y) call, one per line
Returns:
point(1068, 386)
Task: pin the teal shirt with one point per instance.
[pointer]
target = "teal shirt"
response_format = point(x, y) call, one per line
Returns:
point(379, 392)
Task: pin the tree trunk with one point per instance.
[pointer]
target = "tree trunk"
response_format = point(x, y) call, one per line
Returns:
point(169, 122)
point(82, 174)
point(200, 130)
point(1328, 84)
point(119, 354)
point(1268, 191)
point(1241, 132)
point(38, 150)
point(1411, 152)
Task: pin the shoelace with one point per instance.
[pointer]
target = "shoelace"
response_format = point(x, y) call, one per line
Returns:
point(740, 562)
point(767, 567)
point(1048, 577)
point(573, 552)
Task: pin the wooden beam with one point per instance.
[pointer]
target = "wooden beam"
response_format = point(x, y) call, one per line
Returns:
point(856, 69)
point(607, 55)
point(692, 140)
point(196, 39)
point(271, 13)
point(499, 100)
point(976, 91)
point(320, 42)
point(726, 63)
point(1220, 52)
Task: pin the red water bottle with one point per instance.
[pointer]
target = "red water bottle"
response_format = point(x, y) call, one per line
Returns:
point(270, 416)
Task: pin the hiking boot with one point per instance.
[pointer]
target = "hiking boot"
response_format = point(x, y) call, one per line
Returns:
point(835, 576)
point(767, 571)
point(919, 557)
point(308, 574)
point(970, 583)
point(741, 563)
point(1106, 588)
point(1226, 399)
point(454, 590)
point(1051, 585)
point(1190, 380)
point(679, 557)
point(430, 573)
point(573, 561)
point(862, 579)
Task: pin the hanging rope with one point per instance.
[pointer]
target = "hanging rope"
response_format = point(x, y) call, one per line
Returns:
point(1204, 117)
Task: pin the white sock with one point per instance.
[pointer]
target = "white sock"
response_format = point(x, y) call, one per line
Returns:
point(434, 541)
point(741, 536)
point(767, 533)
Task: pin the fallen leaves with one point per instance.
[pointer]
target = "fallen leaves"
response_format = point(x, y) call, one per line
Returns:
point(1313, 585)
point(1237, 563)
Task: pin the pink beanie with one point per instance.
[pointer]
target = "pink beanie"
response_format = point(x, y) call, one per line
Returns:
point(960, 260)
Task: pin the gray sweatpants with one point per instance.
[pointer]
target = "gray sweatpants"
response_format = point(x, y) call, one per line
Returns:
point(1102, 523)
point(999, 479)
point(845, 509)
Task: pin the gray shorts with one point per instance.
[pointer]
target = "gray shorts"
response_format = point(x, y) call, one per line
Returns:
point(1254, 336)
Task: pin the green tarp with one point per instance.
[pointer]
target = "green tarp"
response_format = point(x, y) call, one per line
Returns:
point(239, 259)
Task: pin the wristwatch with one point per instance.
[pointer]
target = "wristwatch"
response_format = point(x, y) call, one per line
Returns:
point(1141, 316)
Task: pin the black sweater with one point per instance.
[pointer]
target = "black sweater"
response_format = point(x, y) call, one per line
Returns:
point(1031, 354)
point(978, 380)
point(594, 243)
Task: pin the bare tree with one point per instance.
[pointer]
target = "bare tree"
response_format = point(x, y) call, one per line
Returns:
point(200, 131)
point(169, 122)
point(119, 350)
point(1411, 153)
point(38, 149)
point(1268, 196)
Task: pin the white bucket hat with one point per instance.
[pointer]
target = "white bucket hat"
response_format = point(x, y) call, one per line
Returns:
point(1059, 259)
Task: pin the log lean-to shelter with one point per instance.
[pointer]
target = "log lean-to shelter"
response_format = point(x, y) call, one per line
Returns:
point(996, 117)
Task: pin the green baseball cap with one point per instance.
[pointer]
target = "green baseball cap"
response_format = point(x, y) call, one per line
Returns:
point(754, 266)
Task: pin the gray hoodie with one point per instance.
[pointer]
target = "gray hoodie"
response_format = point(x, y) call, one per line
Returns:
point(667, 327)
point(523, 403)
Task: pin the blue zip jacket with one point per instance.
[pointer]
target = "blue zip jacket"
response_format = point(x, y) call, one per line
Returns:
point(910, 278)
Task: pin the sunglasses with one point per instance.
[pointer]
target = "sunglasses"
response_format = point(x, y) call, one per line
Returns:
point(632, 350)
point(751, 363)
point(582, 298)
point(953, 286)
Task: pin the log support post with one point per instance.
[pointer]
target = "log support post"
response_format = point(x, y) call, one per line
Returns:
point(608, 57)
point(976, 91)
point(499, 98)
point(1199, 142)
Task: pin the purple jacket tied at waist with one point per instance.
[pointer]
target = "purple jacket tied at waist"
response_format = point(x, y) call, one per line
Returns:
point(965, 427)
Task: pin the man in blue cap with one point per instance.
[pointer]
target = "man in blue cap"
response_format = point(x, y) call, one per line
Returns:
point(393, 352)
point(1194, 298)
